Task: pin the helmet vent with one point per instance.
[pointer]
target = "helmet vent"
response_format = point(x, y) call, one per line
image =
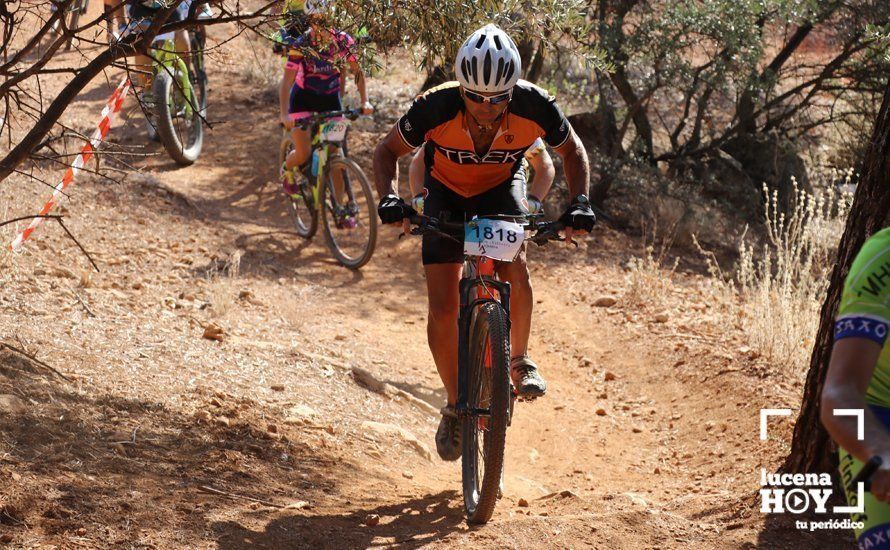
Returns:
point(510, 69)
point(486, 69)
point(497, 42)
point(480, 42)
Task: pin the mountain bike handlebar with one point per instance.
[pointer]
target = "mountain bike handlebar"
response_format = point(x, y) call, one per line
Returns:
point(545, 231)
point(317, 118)
point(308, 122)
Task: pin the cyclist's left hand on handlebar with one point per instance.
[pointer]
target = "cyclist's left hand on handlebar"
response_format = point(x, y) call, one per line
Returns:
point(578, 216)
point(367, 108)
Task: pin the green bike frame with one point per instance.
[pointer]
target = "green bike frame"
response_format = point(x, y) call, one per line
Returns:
point(321, 149)
point(166, 59)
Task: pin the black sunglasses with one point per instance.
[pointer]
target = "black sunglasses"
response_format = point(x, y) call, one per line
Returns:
point(493, 99)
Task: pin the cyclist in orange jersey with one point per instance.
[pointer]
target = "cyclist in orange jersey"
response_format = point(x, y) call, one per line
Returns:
point(474, 133)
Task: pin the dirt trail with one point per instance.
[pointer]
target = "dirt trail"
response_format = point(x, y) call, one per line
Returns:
point(647, 437)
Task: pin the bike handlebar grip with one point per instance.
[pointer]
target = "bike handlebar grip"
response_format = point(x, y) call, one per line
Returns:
point(864, 475)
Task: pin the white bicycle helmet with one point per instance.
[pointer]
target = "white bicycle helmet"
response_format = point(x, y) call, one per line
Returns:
point(488, 61)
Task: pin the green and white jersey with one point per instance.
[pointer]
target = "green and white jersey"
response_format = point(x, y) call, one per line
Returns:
point(864, 311)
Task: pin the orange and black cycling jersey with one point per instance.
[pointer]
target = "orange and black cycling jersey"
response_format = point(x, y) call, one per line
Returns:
point(438, 119)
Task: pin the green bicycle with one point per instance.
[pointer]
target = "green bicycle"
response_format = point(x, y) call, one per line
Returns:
point(340, 195)
point(180, 98)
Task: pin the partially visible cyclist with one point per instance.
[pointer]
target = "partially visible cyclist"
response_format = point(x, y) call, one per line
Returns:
point(316, 59)
point(536, 160)
point(475, 132)
point(141, 13)
point(859, 378)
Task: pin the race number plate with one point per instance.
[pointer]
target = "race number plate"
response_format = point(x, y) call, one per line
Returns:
point(495, 239)
point(333, 130)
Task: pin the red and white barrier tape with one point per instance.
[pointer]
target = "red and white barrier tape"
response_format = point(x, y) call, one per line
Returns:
point(111, 108)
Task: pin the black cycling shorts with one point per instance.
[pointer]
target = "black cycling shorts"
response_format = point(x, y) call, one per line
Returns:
point(507, 199)
point(303, 103)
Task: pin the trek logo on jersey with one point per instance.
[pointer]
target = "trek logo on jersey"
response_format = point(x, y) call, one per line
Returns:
point(861, 326)
point(499, 156)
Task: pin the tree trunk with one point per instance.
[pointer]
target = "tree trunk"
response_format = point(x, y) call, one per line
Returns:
point(533, 74)
point(636, 110)
point(810, 445)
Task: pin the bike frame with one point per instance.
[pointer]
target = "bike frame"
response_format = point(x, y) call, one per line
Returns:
point(166, 59)
point(324, 152)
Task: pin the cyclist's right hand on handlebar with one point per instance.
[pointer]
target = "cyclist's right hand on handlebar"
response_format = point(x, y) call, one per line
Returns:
point(287, 122)
point(392, 210)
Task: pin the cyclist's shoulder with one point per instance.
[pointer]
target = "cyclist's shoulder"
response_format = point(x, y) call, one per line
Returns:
point(432, 109)
point(867, 286)
point(343, 37)
point(870, 273)
point(527, 94)
point(533, 102)
point(447, 91)
point(443, 100)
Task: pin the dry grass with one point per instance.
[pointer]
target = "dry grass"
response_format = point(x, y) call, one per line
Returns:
point(781, 285)
point(648, 280)
point(259, 66)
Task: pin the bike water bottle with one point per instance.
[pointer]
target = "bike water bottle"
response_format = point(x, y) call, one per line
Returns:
point(315, 162)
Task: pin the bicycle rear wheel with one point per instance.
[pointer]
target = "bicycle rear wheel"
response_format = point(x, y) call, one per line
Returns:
point(484, 437)
point(302, 210)
point(350, 214)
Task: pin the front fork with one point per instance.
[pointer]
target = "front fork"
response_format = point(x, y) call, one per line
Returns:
point(472, 290)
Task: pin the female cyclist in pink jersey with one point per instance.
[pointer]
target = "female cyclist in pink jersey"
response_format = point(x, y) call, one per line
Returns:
point(312, 82)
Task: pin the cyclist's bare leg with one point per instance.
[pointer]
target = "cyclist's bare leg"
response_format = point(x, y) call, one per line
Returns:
point(521, 302)
point(300, 154)
point(442, 281)
point(142, 70)
point(114, 10)
point(181, 42)
point(339, 184)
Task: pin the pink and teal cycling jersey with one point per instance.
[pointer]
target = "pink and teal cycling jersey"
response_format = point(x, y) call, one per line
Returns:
point(317, 66)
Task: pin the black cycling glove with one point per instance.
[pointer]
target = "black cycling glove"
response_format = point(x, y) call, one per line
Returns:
point(392, 209)
point(579, 215)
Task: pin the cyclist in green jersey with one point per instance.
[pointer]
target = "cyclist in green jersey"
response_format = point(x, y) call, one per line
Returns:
point(859, 378)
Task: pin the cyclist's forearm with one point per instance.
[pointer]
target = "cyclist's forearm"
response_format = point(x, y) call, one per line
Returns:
point(284, 95)
point(361, 85)
point(845, 429)
point(577, 167)
point(386, 170)
point(543, 180)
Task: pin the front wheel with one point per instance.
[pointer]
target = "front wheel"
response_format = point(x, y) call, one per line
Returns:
point(350, 214)
point(484, 435)
point(178, 119)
